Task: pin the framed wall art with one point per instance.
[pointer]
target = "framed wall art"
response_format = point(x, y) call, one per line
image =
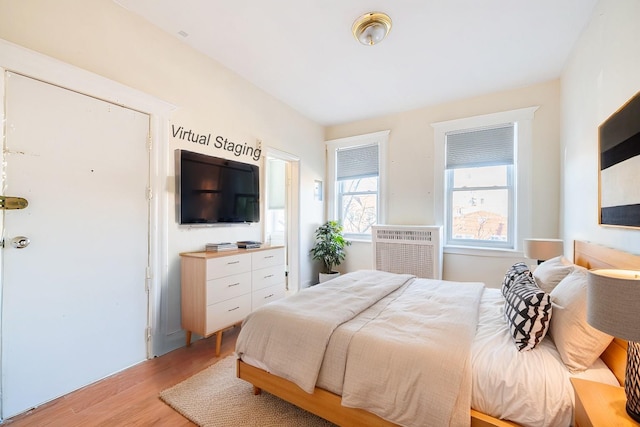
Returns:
point(619, 166)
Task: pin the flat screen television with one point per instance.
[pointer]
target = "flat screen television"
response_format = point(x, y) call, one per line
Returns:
point(212, 190)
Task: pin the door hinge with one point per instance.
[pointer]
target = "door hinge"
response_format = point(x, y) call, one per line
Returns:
point(147, 281)
point(149, 193)
point(148, 333)
point(149, 142)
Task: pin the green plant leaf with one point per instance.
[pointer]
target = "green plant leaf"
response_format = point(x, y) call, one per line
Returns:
point(329, 245)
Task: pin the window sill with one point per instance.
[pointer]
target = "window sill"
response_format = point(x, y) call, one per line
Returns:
point(358, 239)
point(483, 252)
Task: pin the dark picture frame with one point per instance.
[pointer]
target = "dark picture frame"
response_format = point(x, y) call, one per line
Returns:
point(619, 166)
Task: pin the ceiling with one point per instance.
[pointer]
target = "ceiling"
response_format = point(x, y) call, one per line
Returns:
point(303, 52)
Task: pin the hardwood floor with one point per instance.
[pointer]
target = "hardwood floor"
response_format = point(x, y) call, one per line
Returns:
point(130, 398)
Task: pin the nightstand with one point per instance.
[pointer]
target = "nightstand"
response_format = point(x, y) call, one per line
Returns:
point(600, 405)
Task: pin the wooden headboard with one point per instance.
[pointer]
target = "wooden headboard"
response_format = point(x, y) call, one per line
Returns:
point(591, 255)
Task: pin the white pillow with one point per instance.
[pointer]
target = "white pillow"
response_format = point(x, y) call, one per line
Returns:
point(578, 343)
point(548, 274)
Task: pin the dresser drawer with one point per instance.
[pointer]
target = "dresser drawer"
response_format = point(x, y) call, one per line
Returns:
point(267, 295)
point(267, 277)
point(228, 312)
point(228, 265)
point(267, 258)
point(228, 287)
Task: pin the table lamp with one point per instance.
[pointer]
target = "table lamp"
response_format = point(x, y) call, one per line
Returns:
point(543, 249)
point(613, 298)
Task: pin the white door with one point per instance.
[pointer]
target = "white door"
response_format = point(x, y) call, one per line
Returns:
point(281, 219)
point(74, 305)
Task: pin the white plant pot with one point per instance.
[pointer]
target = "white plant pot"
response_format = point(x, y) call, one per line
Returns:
point(328, 276)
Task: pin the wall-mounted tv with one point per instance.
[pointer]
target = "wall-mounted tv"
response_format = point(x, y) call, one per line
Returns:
point(212, 190)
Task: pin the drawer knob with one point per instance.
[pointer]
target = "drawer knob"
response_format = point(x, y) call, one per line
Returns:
point(270, 275)
point(234, 284)
point(267, 257)
point(268, 296)
point(233, 309)
point(233, 262)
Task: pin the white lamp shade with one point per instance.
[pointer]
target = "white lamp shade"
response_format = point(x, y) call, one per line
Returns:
point(613, 299)
point(543, 249)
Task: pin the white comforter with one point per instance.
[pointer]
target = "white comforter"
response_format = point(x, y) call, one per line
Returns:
point(409, 361)
point(411, 364)
point(531, 388)
point(290, 336)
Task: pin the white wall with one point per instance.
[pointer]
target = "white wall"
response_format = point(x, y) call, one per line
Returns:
point(101, 37)
point(410, 172)
point(601, 75)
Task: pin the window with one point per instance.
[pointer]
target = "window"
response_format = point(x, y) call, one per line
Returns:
point(482, 179)
point(479, 186)
point(355, 168)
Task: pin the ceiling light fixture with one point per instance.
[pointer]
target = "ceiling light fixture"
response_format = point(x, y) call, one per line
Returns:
point(371, 28)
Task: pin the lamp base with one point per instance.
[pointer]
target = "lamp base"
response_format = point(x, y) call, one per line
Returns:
point(632, 380)
point(633, 415)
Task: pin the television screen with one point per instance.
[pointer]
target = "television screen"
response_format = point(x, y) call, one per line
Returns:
point(213, 190)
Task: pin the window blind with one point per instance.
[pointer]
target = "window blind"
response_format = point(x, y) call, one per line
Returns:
point(276, 183)
point(357, 162)
point(480, 147)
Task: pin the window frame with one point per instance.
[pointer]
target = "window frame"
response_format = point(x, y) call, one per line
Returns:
point(521, 217)
point(511, 190)
point(333, 204)
point(339, 199)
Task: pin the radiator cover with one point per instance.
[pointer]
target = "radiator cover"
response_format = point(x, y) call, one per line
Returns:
point(410, 249)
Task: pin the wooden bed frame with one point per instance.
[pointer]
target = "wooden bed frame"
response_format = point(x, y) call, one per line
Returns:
point(327, 405)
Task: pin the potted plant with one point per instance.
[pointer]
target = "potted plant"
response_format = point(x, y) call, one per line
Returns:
point(329, 248)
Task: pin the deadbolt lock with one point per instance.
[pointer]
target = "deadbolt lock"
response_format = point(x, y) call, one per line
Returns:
point(8, 202)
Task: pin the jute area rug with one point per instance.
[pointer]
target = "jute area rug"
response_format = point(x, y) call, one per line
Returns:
point(216, 398)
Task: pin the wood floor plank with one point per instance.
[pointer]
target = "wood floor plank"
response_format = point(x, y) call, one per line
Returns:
point(131, 397)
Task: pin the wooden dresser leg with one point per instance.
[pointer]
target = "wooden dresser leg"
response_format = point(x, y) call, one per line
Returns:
point(257, 390)
point(188, 338)
point(218, 342)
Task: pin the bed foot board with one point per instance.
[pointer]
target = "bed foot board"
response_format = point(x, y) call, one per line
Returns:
point(322, 403)
point(328, 405)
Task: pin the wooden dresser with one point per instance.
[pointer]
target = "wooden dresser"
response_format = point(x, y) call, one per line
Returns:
point(219, 289)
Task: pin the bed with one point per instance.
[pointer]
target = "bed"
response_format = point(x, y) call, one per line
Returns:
point(325, 396)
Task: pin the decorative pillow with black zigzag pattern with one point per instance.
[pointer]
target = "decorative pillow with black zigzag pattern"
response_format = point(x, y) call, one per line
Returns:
point(527, 310)
point(517, 273)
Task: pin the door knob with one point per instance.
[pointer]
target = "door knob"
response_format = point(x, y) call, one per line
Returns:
point(20, 242)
